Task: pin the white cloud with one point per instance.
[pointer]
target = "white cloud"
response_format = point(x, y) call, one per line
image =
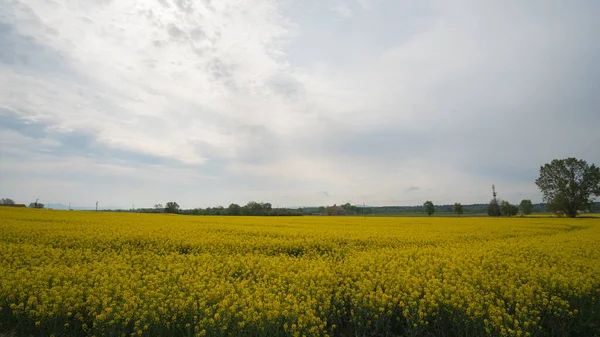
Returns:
point(195, 67)
point(275, 100)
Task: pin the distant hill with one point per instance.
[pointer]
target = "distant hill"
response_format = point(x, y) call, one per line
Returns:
point(358, 209)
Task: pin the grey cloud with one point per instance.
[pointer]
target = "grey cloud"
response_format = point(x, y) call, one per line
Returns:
point(447, 89)
point(197, 33)
point(260, 144)
point(164, 3)
point(175, 31)
point(353, 42)
point(184, 5)
point(9, 121)
point(74, 143)
point(222, 72)
point(286, 85)
point(251, 145)
point(384, 144)
point(29, 54)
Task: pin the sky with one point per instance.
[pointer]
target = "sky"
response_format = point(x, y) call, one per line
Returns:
point(297, 103)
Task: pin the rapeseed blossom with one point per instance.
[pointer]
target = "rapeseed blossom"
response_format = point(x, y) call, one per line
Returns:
point(109, 274)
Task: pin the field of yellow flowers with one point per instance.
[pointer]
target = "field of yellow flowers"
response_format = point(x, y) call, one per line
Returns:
point(114, 274)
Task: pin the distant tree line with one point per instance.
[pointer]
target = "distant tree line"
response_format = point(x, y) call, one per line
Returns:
point(266, 209)
point(495, 208)
point(344, 209)
point(252, 208)
point(569, 187)
point(504, 208)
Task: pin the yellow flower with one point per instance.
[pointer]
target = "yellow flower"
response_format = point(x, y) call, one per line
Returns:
point(238, 273)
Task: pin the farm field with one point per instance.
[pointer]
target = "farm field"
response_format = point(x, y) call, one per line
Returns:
point(114, 274)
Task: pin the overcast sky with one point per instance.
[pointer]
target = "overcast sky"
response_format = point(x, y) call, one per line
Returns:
point(296, 103)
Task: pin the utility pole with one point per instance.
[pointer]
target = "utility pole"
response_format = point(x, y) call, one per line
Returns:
point(496, 205)
point(69, 206)
point(96, 206)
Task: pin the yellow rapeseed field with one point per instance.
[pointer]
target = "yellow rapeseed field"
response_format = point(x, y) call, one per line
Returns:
point(114, 274)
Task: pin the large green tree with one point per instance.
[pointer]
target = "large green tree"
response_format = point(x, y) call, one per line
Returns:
point(569, 185)
point(493, 208)
point(458, 208)
point(428, 207)
point(234, 209)
point(508, 209)
point(171, 207)
point(526, 206)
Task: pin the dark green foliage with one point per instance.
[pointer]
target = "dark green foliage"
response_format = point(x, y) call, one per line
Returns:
point(255, 208)
point(428, 207)
point(250, 209)
point(508, 209)
point(345, 209)
point(171, 207)
point(555, 208)
point(458, 208)
point(569, 185)
point(234, 209)
point(493, 208)
point(526, 206)
point(513, 210)
point(441, 210)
